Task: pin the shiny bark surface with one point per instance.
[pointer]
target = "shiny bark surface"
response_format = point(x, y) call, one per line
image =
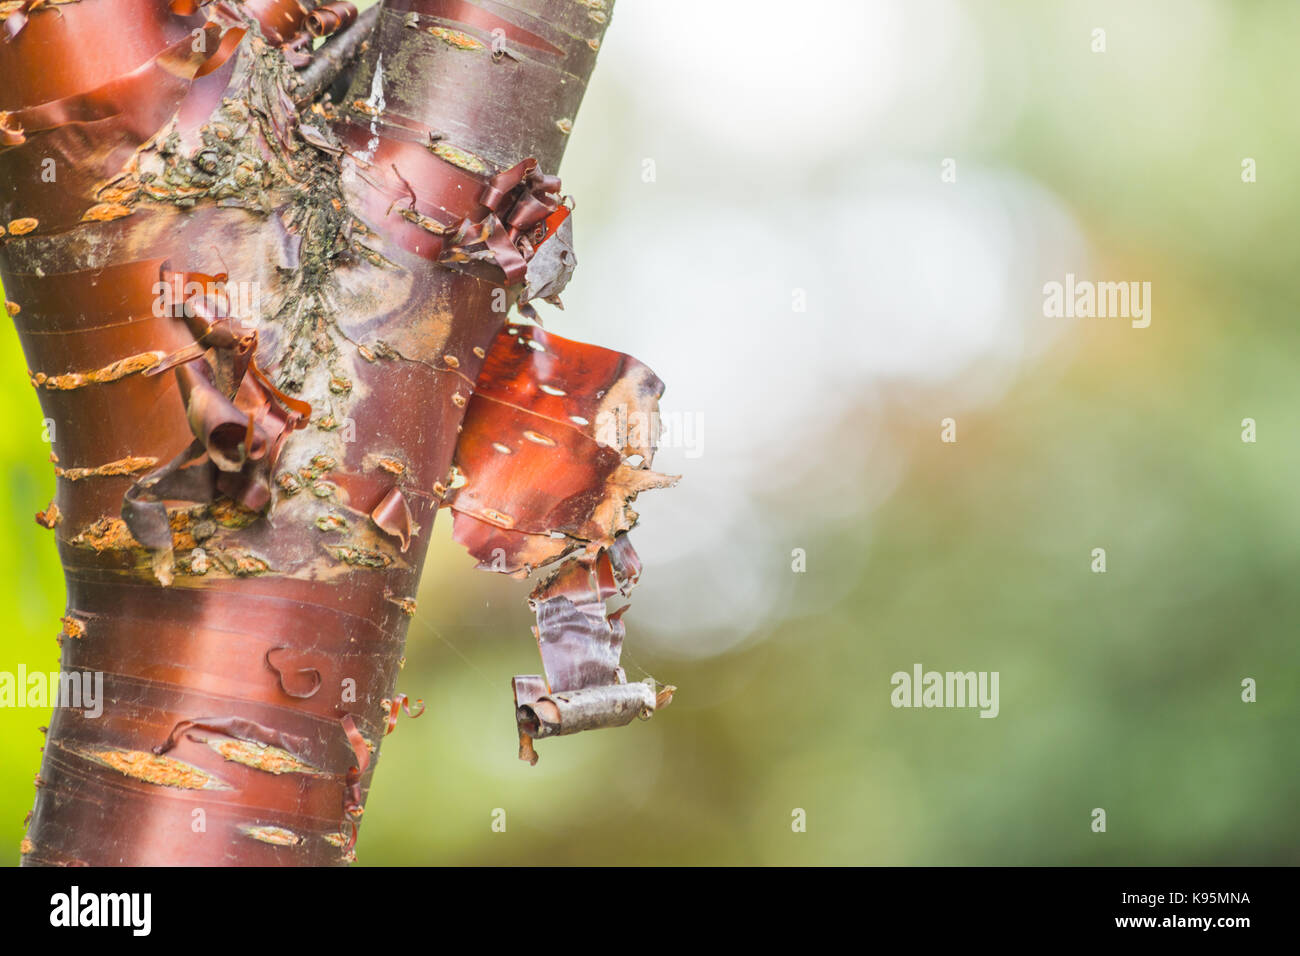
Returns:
point(270, 338)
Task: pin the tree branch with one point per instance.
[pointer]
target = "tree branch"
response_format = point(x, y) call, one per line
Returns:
point(335, 57)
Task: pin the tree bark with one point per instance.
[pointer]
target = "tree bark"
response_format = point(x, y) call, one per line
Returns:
point(258, 336)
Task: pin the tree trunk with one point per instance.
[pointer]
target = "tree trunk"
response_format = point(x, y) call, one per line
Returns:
point(269, 337)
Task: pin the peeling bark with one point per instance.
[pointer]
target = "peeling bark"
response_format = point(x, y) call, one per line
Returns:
point(247, 475)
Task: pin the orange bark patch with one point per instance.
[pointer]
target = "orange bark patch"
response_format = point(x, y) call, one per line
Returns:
point(360, 557)
point(242, 563)
point(459, 157)
point(106, 212)
point(231, 514)
point(181, 524)
point(106, 534)
point(50, 516)
point(123, 466)
point(331, 523)
point(276, 836)
point(156, 770)
point(457, 39)
point(261, 757)
point(118, 195)
point(340, 841)
point(288, 483)
point(109, 373)
point(428, 225)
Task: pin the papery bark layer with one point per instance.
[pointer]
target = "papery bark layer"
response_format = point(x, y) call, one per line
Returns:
point(283, 437)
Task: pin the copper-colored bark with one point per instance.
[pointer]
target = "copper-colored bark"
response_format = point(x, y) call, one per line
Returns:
point(248, 474)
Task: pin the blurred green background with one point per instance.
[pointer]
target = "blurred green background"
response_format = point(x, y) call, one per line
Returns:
point(804, 155)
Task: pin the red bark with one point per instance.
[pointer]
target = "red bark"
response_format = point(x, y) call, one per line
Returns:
point(244, 502)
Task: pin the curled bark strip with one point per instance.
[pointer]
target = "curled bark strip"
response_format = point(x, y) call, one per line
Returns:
point(185, 477)
point(298, 407)
point(170, 73)
point(551, 265)
point(580, 644)
point(524, 209)
point(528, 689)
point(11, 134)
point(545, 447)
point(230, 40)
point(278, 18)
point(90, 91)
point(239, 429)
point(515, 213)
point(330, 18)
point(352, 803)
point(590, 708)
point(239, 728)
point(310, 672)
point(393, 516)
point(15, 22)
point(397, 704)
point(544, 466)
point(624, 564)
point(17, 19)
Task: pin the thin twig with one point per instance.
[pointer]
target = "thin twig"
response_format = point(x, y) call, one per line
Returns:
point(334, 57)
